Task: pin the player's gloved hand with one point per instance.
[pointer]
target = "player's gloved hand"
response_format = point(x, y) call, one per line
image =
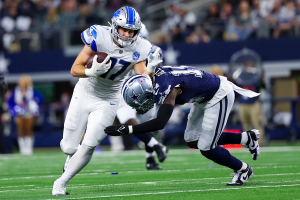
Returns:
point(154, 60)
point(98, 68)
point(117, 130)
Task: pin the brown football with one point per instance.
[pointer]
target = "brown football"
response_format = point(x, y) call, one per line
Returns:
point(101, 58)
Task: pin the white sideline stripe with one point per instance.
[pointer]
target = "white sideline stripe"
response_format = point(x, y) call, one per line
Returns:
point(172, 192)
point(153, 183)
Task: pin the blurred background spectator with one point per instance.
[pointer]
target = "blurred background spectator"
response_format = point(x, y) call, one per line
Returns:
point(24, 105)
point(3, 89)
point(41, 38)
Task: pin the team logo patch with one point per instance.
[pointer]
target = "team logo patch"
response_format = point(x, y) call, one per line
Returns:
point(121, 51)
point(135, 55)
point(135, 97)
point(117, 14)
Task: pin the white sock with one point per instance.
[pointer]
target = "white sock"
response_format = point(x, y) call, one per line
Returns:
point(78, 161)
point(244, 138)
point(244, 166)
point(21, 143)
point(29, 144)
point(152, 142)
point(149, 154)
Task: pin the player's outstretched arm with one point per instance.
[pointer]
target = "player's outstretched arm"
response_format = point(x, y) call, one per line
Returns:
point(163, 115)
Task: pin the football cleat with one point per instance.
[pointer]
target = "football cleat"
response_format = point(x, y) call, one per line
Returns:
point(161, 151)
point(66, 163)
point(252, 143)
point(151, 164)
point(59, 188)
point(240, 177)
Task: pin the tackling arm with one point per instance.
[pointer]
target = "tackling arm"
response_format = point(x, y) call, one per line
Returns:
point(163, 116)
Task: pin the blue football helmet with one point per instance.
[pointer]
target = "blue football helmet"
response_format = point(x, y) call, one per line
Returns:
point(126, 17)
point(137, 92)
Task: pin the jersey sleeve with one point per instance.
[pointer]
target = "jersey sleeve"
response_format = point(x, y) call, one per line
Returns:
point(89, 37)
point(145, 49)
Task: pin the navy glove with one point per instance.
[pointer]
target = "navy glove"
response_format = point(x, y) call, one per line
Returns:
point(117, 130)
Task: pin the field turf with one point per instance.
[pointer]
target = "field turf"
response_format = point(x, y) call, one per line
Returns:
point(186, 174)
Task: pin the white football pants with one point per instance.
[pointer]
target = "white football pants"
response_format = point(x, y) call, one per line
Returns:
point(87, 111)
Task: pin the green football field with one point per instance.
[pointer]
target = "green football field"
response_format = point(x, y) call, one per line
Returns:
point(186, 174)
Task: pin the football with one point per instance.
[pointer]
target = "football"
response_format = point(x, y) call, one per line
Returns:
point(101, 58)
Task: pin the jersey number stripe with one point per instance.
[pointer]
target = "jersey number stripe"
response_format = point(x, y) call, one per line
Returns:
point(113, 63)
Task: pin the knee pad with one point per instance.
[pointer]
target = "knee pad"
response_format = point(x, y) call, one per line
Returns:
point(67, 148)
point(204, 146)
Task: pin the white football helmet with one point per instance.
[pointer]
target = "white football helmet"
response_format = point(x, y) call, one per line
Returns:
point(137, 92)
point(144, 32)
point(126, 17)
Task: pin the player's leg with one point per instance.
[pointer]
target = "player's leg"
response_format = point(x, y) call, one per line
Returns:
point(98, 120)
point(75, 122)
point(212, 125)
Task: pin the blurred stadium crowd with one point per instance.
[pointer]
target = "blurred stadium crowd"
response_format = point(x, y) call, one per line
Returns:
point(40, 24)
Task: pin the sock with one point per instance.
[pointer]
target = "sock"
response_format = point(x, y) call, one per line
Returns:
point(222, 156)
point(78, 161)
point(28, 144)
point(230, 138)
point(244, 166)
point(149, 154)
point(21, 144)
point(144, 137)
point(149, 151)
point(244, 138)
point(152, 142)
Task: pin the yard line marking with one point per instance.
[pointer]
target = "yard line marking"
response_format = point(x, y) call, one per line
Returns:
point(86, 174)
point(18, 186)
point(172, 192)
point(40, 157)
point(148, 183)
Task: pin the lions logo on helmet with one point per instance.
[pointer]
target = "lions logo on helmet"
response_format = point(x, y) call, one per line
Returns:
point(126, 17)
point(137, 92)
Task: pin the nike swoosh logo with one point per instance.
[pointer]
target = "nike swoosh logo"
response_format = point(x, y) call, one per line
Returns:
point(155, 93)
point(99, 70)
point(112, 104)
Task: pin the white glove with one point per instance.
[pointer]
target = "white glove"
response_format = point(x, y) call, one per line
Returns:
point(154, 60)
point(98, 68)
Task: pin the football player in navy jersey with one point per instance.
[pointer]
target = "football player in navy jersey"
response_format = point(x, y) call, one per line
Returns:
point(212, 97)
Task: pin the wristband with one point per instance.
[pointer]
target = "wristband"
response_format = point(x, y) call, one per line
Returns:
point(130, 129)
point(88, 72)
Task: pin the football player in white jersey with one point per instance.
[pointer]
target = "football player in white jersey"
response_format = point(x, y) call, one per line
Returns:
point(96, 95)
point(127, 115)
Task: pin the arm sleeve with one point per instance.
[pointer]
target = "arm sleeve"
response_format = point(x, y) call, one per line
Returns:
point(163, 115)
point(89, 37)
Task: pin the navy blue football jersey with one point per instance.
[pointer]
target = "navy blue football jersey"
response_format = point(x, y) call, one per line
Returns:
point(197, 85)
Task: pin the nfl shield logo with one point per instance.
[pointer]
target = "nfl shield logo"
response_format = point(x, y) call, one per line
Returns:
point(135, 55)
point(121, 51)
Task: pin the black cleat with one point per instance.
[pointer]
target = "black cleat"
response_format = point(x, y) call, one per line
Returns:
point(151, 164)
point(161, 151)
point(240, 177)
point(252, 143)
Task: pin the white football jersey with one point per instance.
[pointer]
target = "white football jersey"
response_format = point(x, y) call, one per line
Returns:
point(108, 85)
